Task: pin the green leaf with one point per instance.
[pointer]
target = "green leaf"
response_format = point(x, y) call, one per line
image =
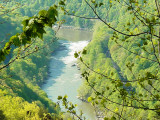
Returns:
point(96, 102)
point(73, 111)
point(15, 40)
point(61, 3)
point(98, 93)
point(7, 45)
point(84, 52)
point(42, 13)
point(89, 99)
point(25, 22)
point(2, 58)
point(100, 4)
point(65, 96)
point(76, 55)
point(59, 97)
point(93, 1)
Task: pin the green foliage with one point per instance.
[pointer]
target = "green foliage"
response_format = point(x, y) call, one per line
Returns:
point(122, 69)
point(23, 71)
point(33, 27)
point(27, 74)
point(70, 107)
point(120, 65)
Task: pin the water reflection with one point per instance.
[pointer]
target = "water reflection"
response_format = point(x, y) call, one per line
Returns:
point(74, 35)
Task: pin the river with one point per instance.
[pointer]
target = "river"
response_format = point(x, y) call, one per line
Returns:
point(64, 78)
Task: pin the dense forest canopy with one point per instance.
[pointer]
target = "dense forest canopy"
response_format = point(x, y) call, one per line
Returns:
point(120, 66)
point(121, 63)
point(24, 57)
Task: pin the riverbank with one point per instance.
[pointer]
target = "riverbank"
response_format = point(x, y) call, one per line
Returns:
point(72, 28)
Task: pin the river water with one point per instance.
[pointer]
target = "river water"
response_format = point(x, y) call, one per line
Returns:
point(64, 78)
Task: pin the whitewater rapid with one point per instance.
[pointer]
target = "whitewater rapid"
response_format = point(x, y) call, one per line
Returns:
point(64, 77)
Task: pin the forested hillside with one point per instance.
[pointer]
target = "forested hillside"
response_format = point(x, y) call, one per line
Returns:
point(121, 73)
point(25, 68)
point(107, 58)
